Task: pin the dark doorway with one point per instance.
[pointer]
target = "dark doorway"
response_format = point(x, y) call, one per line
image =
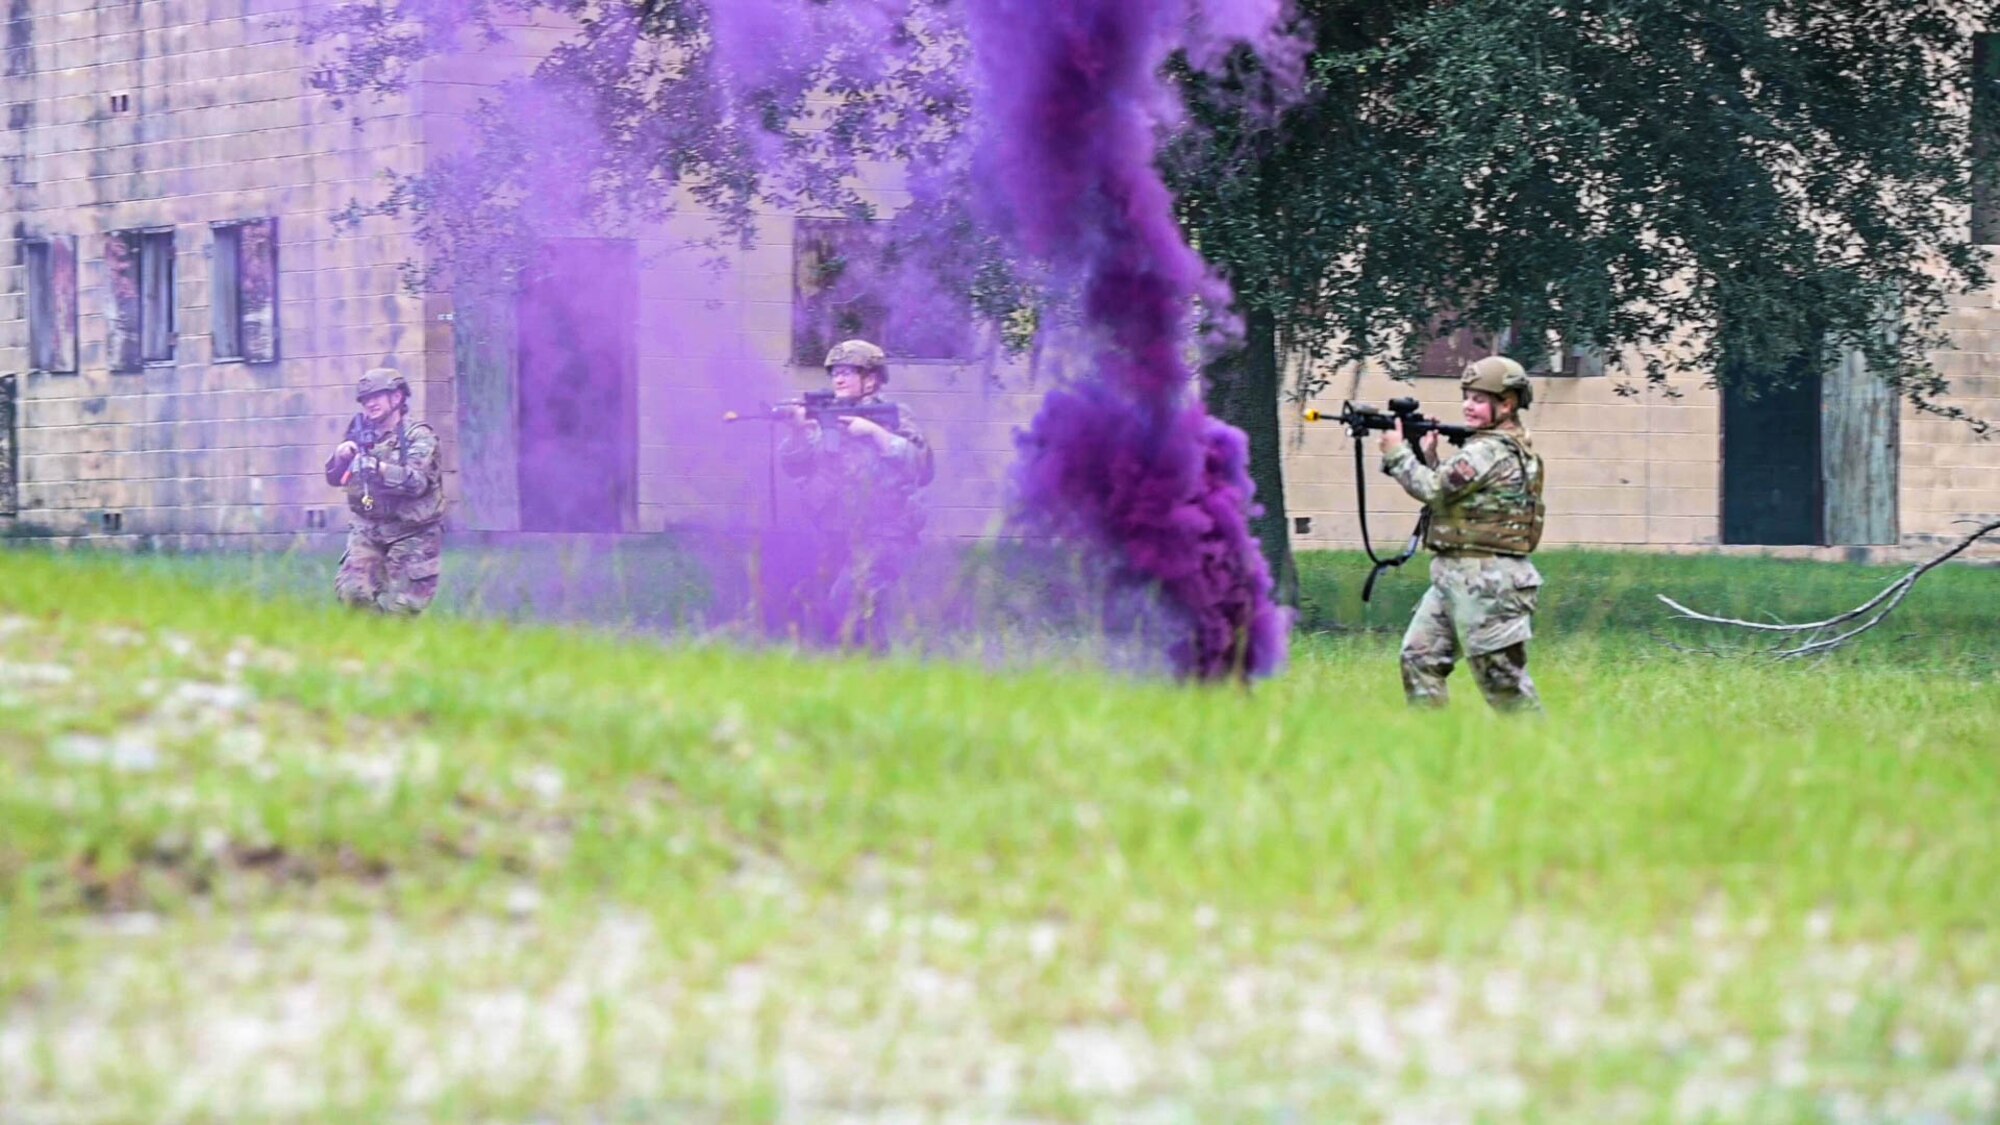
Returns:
point(576, 413)
point(1772, 491)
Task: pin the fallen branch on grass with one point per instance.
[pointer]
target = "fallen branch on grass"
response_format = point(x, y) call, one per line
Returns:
point(1815, 638)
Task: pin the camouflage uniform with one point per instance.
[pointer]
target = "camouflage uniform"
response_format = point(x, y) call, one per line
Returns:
point(1485, 517)
point(860, 503)
point(395, 539)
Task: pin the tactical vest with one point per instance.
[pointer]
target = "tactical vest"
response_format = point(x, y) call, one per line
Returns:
point(1501, 518)
point(381, 506)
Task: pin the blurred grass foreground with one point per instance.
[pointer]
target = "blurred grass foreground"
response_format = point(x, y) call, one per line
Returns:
point(262, 859)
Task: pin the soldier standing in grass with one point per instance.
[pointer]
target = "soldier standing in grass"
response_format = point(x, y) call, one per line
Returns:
point(389, 467)
point(859, 490)
point(1486, 517)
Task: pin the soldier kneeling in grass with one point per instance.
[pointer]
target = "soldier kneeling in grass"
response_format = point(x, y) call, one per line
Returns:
point(1486, 516)
point(389, 467)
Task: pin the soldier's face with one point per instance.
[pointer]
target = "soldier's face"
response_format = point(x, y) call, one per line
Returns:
point(380, 405)
point(1483, 409)
point(853, 382)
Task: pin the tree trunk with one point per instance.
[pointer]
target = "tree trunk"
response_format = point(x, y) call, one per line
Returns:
point(1243, 391)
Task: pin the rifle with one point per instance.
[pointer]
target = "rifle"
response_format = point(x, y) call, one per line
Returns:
point(823, 407)
point(1402, 416)
point(365, 436)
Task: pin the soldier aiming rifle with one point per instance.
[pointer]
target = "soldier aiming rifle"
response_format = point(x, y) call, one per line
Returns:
point(1483, 517)
point(388, 466)
point(859, 461)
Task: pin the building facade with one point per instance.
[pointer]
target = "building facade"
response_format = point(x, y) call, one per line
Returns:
point(182, 319)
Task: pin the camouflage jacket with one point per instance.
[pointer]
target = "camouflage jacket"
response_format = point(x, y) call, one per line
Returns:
point(395, 483)
point(1486, 499)
point(855, 488)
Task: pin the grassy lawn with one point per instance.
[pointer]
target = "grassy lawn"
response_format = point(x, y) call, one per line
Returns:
point(261, 859)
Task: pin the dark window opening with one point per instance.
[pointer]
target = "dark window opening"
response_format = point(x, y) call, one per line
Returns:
point(851, 279)
point(244, 291)
point(121, 103)
point(1446, 354)
point(1986, 138)
point(52, 304)
point(1773, 491)
point(140, 268)
point(576, 323)
point(10, 496)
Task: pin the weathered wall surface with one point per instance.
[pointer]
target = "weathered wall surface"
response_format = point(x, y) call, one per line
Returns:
point(173, 115)
point(1948, 474)
point(1638, 470)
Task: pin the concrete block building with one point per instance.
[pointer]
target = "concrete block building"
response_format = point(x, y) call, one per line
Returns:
point(182, 319)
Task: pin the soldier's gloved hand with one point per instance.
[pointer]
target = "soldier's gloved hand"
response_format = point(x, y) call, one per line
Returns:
point(862, 428)
point(346, 451)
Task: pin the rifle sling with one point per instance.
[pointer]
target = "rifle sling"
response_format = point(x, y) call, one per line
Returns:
point(1410, 549)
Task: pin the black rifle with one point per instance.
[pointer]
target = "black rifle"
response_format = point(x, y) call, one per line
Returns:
point(362, 434)
point(366, 437)
point(1402, 416)
point(825, 408)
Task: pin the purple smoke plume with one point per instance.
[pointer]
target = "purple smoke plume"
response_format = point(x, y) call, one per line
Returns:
point(1127, 461)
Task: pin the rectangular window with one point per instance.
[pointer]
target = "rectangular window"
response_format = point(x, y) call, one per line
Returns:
point(52, 304)
point(1986, 138)
point(851, 280)
point(1445, 354)
point(139, 266)
point(244, 291)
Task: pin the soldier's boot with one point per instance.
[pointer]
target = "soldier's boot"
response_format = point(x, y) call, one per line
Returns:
point(1504, 680)
point(1423, 680)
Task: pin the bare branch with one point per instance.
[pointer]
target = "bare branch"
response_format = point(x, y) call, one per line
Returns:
point(1817, 638)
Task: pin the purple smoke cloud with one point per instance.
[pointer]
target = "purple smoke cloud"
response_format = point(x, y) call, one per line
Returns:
point(1128, 460)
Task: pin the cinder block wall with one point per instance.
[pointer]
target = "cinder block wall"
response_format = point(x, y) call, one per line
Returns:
point(1638, 470)
point(220, 126)
point(1951, 474)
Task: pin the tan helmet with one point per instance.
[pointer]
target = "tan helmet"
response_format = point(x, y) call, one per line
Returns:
point(1496, 375)
point(862, 354)
point(379, 379)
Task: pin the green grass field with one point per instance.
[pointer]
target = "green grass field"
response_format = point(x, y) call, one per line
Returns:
point(260, 859)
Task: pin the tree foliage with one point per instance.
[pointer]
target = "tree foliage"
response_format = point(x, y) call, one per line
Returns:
point(1757, 178)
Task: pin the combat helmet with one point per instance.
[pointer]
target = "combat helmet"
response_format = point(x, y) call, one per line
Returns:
point(1496, 375)
point(379, 379)
point(861, 354)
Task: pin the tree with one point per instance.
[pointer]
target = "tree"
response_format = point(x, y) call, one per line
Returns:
point(1766, 178)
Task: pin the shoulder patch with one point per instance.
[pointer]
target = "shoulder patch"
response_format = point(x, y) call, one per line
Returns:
point(1460, 473)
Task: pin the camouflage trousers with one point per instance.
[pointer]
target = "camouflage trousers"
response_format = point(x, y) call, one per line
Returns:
point(1481, 608)
point(390, 570)
point(850, 599)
